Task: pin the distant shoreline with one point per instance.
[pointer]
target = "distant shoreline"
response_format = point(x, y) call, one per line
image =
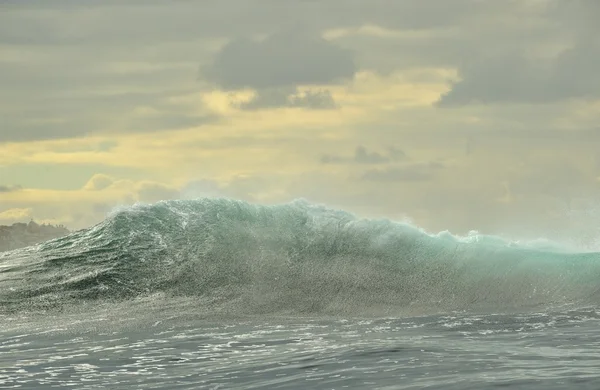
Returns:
point(20, 235)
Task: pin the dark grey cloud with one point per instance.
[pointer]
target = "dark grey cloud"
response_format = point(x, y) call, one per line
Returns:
point(421, 14)
point(9, 188)
point(62, 22)
point(23, 131)
point(284, 97)
point(59, 112)
point(75, 127)
point(575, 16)
point(82, 93)
point(281, 60)
point(516, 72)
point(500, 78)
point(424, 35)
point(411, 172)
point(512, 77)
point(364, 156)
point(102, 146)
point(47, 53)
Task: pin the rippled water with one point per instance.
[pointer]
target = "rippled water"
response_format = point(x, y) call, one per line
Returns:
point(458, 351)
point(222, 294)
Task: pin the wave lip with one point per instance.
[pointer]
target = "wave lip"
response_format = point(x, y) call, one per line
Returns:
point(231, 256)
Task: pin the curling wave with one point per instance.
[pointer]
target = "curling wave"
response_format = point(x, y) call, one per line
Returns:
point(298, 258)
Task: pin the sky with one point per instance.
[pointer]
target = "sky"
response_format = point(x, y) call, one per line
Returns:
point(456, 115)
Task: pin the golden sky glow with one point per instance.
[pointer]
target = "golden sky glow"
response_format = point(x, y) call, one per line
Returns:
point(476, 119)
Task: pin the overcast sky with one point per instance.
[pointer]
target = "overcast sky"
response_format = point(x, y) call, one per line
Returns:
point(457, 114)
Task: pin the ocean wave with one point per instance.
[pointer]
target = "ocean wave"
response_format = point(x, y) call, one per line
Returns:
point(230, 256)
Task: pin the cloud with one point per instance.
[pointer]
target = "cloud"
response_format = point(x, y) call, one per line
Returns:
point(555, 61)
point(9, 188)
point(280, 60)
point(99, 182)
point(101, 146)
point(413, 172)
point(44, 129)
point(151, 192)
point(79, 208)
point(65, 118)
point(364, 156)
point(76, 91)
point(143, 191)
point(252, 188)
point(127, 72)
point(13, 215)
point(284, 97)
point(141, 22)
point(65, 128)
point(165, 122)
point(513, 77)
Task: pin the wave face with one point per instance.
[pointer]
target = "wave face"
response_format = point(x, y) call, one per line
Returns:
point(298, 258)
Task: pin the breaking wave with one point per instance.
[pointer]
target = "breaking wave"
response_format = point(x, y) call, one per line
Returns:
point(229, 256)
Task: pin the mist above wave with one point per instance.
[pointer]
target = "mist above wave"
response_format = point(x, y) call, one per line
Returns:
point(296, 258)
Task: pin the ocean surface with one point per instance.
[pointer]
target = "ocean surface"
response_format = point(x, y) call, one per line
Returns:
point(221, 294)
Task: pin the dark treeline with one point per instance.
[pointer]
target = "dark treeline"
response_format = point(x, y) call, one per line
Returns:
point(19, 235)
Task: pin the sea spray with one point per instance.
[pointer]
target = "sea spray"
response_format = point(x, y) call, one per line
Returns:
point(230, 256)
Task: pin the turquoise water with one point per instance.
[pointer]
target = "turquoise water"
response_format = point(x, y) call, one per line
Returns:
point(218, 293)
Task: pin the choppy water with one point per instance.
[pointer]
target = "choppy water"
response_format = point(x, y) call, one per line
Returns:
point(220, 294)
point(456, 351)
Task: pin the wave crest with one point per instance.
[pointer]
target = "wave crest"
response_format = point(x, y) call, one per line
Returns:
point(232, 256)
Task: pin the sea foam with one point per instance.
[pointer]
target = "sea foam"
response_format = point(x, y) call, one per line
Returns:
point(225, 255)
